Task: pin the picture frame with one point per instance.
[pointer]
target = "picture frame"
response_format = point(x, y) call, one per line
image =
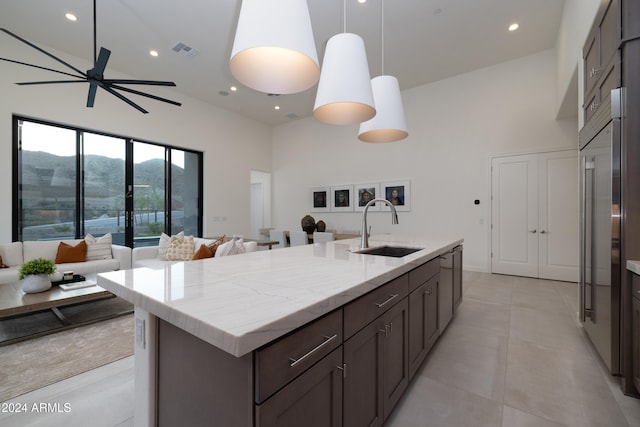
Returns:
point(320, 199)
point(342, 198)
point(398, 193)
point(365, 192)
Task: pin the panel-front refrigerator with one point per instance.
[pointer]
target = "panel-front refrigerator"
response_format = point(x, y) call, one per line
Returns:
point(600, 267)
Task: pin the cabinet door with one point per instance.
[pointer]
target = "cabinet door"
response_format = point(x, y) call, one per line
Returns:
point(635, 341)
point(423, 322)
point(396, 355)
point(363, 359)
point(457, 279)
point(315, 397)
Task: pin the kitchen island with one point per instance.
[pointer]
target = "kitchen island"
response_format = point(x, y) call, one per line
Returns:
point(242, 340)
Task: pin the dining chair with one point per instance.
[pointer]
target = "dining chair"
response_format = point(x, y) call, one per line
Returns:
point(320, 236)
point(298, 237)
point(280, 237)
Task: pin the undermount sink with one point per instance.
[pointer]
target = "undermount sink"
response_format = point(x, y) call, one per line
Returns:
point(392, 251)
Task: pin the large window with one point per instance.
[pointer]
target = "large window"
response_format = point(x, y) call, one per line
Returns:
point(69, 182)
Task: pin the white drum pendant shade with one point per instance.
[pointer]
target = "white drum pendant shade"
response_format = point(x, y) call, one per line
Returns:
point(344, 91)
point(274, 50)
point(389, 123)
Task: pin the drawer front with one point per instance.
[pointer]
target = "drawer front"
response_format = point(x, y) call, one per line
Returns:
point(278, 363)
point(362, 311)
point(635, 286)
point(422, 274)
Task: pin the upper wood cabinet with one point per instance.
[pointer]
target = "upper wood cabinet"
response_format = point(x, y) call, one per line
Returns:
point(599, 54)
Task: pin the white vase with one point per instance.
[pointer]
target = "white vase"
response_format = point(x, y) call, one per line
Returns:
point(34, 283)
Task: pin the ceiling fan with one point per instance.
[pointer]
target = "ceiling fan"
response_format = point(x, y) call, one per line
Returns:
point(94, 76)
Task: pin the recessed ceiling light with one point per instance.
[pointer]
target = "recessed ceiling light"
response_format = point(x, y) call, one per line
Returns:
point(277, 107)
point(70, 16)
point(514, 26)
point(153, 52)
point(362, 1)
point(233, 88)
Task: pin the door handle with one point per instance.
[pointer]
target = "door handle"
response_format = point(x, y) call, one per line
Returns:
point(533, 231)
point(542, 232)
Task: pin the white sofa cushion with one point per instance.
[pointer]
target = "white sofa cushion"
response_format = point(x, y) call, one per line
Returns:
point(9, 275)
point(11, 254)
point(44, 249)
point(90, 267)
point(99, 248)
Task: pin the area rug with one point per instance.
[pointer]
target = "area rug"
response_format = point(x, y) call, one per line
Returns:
point(33, 364)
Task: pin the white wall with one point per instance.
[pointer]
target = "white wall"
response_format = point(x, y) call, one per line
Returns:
point(577, 18)
point(233, 145)
point(454, 126)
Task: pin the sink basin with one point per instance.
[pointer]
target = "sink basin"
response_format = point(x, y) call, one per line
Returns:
point(393, 251)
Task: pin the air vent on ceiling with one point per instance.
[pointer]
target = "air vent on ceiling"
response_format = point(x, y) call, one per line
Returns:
point(185, 49)
point(292, 116)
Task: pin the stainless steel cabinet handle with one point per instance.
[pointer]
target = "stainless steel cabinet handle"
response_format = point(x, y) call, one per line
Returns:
point(533, 231)
point(428, 291)
point(343, 368)
point(327, 340)
point(542, 232)
point(387, 301)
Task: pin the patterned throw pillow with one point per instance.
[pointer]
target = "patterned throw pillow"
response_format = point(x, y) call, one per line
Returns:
point(99, 248)
point(213, 247)
point(179, 249)
point(165, 242)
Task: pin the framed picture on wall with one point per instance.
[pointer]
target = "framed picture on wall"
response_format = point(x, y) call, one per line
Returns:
point(320, 199)
point(398, 193)
point(342, 198)
point(363, 193)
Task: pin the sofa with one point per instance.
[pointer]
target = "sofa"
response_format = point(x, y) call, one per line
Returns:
point(157, 257)
point(102, 256)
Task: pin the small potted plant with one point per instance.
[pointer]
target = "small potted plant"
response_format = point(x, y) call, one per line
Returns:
point(35, 275)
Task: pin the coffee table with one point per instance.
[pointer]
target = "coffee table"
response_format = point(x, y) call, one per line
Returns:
point(15, 305)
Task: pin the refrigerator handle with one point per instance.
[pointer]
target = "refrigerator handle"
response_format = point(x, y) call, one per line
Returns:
point(586, 250)
point(583, 238)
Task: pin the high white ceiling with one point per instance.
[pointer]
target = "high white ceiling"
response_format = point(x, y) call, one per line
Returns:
point(425, 41)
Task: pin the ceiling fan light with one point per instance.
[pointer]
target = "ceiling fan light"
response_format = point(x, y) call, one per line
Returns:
point(274, 50)
point(389, 123)
point(344, 92)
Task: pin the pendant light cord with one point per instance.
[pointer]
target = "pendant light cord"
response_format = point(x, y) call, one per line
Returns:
point(382, 34)
point(95, 43)
point(344, 16)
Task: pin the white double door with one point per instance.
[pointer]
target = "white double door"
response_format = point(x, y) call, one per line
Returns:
point(535, 215)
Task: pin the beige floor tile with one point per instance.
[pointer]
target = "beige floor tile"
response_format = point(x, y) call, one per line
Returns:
point(514, 418)
point(433, 404)
point(474, 314)
point(555, 330)
point(559, 385)
point(475, 362)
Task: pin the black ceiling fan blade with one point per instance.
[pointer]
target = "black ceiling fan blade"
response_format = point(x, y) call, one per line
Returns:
point(42, 68)
point(42, 51)
point(138, 82)
point(50, 82)
point(122, 97)
point(101, 63)
point(148, 95)
point(91, 97)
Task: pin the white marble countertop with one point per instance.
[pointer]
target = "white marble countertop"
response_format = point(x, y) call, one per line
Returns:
point(633, 266)
point(241, 302)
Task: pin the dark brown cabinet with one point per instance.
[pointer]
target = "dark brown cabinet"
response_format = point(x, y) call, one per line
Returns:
point(635, 331)
point(423, 322)
point(315, 397)
point(377, 369)
point(599, 55)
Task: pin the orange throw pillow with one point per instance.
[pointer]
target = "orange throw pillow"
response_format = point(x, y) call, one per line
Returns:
point(202, 253)
point(67, 253)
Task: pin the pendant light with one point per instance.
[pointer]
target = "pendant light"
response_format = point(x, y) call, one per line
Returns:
point(389, 123)
point(274, 50)
point(344, 92)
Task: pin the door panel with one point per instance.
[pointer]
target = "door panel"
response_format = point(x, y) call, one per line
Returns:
point(535, 215)
point(559, 213)
point(514, 215)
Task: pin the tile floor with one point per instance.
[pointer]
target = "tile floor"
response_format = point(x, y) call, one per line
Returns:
point(513, 356)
